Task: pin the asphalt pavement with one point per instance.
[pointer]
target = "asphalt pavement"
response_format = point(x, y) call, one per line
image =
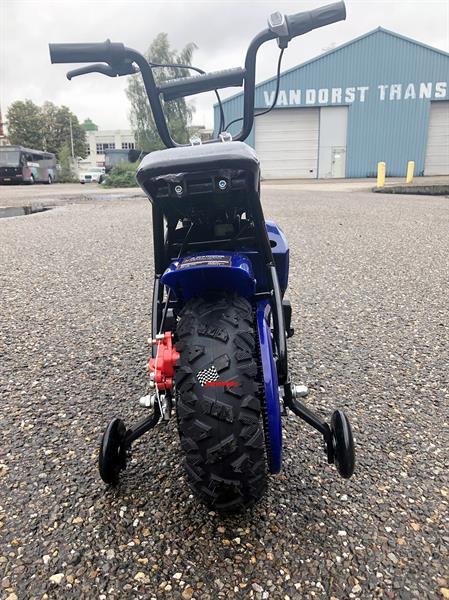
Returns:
point(369, 287)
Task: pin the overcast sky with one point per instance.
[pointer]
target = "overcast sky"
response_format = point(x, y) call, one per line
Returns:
point(221, 29)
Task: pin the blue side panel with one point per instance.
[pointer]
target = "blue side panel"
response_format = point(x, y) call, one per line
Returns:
point(206, 271)
point(273, 407)
point(280, 250)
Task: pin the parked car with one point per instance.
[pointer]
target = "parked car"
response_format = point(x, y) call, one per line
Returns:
point(94, 174)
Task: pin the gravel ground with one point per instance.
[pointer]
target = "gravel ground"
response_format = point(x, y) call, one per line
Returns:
point(369, 285)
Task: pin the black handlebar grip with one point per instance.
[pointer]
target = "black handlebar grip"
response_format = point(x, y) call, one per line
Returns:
point(188, 86)
point(313, 19)
point(109, 52)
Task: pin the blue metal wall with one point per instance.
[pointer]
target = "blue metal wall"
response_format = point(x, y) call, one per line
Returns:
point(393, 130)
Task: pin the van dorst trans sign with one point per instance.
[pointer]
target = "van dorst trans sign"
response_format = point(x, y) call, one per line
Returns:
point(337, 95)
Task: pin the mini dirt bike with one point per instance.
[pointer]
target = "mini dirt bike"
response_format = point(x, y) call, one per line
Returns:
point(220, 319)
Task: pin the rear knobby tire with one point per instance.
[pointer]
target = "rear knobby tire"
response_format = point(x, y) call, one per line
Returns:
point(220, 428)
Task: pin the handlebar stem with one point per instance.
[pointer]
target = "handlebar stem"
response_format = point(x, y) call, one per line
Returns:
point(248, 91)
point(153, 96)
point(250, 82)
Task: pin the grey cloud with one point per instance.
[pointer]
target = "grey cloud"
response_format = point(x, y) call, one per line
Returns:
point(222, 30)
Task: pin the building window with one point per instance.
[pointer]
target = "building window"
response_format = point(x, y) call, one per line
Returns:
point(87, 149)
point(128, 145)
point(105, 146)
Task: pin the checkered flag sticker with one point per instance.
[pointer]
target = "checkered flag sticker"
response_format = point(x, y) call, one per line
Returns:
point(207, 375)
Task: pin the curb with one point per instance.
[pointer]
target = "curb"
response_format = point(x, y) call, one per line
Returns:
point(427, 190)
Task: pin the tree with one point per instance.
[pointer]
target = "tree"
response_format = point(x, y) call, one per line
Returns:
point(178, 112)
point(57, 129)
point(45, 128)
point(25, 124)
point(66, 173)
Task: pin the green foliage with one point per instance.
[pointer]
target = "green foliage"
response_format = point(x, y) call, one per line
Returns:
point(178, 112)
point(25, 124)
point(122, 175)
point(57, 129)
point(45, 128)
point(66, 173)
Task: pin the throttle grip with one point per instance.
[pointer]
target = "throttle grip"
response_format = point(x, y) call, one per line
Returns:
point(108, 52)
point(313, 19)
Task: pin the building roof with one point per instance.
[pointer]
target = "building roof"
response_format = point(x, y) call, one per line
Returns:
point(89, 125)
point(337, 49)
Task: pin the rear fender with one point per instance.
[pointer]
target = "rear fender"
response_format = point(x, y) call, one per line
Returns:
point(206, 271)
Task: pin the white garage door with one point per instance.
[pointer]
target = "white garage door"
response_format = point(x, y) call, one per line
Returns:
point(286, 142)
point(437, 156)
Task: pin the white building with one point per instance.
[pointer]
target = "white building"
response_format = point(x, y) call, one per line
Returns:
point(107, 139)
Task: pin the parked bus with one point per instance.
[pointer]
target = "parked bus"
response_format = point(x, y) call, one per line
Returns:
point(22, 165)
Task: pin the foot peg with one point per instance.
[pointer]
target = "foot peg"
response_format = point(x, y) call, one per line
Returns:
point(300, 391)
point(148, 401)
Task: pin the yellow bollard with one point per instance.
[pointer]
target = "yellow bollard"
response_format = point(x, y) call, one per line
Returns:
point(380, 174)
point(410, 171)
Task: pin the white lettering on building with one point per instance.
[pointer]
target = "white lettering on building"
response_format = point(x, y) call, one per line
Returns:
point(362, 89)
point(310, 96)
point(294, 97)
point(337, 95)
point(410, 92)
point(268, 97)
point(382, 91)
point(425, 90)
point(350, 94)
point(282, 99)
point(395, 91)
point(323, 96)
point(441, 89)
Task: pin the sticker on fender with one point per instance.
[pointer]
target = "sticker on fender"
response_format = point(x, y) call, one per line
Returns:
point(205, 260)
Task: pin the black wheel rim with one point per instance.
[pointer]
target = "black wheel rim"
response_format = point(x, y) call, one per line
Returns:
point(343, 444)
point(111, 459)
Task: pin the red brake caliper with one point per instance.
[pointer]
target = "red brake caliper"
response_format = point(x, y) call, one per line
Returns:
point(162, 367)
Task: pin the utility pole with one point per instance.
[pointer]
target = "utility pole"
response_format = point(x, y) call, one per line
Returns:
point(2, 133)
point(71, 137)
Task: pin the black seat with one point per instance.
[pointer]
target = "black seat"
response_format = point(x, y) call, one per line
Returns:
point(198, 158)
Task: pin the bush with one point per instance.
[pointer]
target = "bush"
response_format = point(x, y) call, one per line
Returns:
point(122, 175)
point(66, 172)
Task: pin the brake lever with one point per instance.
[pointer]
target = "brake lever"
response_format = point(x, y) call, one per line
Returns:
point(126, 68)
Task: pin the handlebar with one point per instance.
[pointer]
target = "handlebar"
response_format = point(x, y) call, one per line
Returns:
point(301, 23)
point(119, 61)
point(187, 86)
point(108, 52)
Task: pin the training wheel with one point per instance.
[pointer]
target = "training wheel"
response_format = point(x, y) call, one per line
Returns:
point(344, 453)
point(112, 457)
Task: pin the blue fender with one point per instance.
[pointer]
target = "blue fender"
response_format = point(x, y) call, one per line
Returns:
point(272, 403)
point(194, 274)
point(191, 275)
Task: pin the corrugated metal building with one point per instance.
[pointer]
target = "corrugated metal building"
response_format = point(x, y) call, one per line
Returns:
point(379, 97)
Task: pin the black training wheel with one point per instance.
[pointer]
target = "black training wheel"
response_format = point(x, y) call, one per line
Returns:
point(344, 453)
point(112, 457)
